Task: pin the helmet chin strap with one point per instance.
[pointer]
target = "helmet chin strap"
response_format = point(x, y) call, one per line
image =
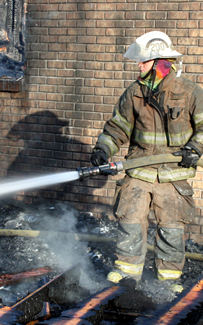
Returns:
point(153, 78)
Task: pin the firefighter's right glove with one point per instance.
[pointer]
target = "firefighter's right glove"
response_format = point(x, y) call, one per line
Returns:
point(189, 157)
point(99, 158)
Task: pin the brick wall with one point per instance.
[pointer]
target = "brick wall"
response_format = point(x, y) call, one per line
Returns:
point(75, 73)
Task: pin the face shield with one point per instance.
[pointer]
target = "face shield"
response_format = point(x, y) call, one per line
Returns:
point(138, 53)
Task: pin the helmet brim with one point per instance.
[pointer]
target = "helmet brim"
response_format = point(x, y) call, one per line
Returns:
point(138, 53)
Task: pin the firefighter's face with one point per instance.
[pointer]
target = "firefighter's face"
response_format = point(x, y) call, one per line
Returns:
point(145, 66)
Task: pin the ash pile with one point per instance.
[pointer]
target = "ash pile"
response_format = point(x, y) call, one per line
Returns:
point(94, 257)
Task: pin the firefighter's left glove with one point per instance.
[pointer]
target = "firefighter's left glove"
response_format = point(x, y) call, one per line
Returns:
point(99, 158)
point(189, 157)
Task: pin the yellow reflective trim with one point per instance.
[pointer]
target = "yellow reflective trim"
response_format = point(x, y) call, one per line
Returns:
point(123, 124)
point(169, 175)
point(198, 119)
point(107, 140)
point(168, 274)
point(135, 269)
point(178, 139)
point(150, 137)
point(117, 262)
point(143, 173)
point(198, 137)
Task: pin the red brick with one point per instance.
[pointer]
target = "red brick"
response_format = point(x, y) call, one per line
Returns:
point(114, 83)
point(196, 15)
point(113, 66)
point(93, 99)
point(46, 88)
point(188, 41)
point(187, 24)
point(94, 65)
point(104, 57)
point(114, 15)
point(103, 74)
point(104, 108)
point(48, 55)
point(106, 6)
point(165, 24)
point(156, 15)
point(85, 23)
point(75, 15)
point(124, 24)
point(104, 91)
point(94, 83)
point(48, 7)
point(95, 31)
point(126, 7)
point(55, 97)
point(65, 89)
point(167, 6)
point(105, 24)
point(178, 15)
point(57, 31)
point(195, 51)
point(84, 74)
point(94, 15)
point(194, 6)
point(95, 48)
point(68, 7)
point(67, 39)
point(86, 6)
point(117, 48)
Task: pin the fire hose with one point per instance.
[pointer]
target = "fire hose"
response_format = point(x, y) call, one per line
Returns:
point(79, 237)
point(119, 166)
point(14, 186)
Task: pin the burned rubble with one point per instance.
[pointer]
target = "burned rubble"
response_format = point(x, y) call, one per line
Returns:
point(94, 259)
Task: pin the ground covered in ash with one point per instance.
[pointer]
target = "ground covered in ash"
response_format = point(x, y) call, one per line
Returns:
point(94, 257)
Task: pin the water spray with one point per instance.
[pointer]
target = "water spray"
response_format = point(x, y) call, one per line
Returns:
point(85, 173)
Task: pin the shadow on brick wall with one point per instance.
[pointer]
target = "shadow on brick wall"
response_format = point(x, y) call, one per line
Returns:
point(35, 138)
point(40, 145)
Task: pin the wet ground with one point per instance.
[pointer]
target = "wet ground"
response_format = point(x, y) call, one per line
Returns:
point(95, 258)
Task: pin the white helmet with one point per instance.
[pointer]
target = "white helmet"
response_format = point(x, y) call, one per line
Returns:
point(150, 46)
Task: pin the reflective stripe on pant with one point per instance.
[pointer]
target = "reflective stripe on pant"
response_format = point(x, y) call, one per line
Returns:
point(132, 208)
point(130, 269)
point(168, 274)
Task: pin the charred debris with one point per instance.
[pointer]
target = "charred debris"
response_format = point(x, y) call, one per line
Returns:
point(70, 270)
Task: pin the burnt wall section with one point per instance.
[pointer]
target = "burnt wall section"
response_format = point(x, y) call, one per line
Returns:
point(12, 44)
point(75, 73)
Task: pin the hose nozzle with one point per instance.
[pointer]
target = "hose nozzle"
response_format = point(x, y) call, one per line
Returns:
point(87, 172)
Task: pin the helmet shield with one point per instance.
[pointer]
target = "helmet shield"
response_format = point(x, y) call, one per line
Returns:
point(138, 53)
point(150, 46)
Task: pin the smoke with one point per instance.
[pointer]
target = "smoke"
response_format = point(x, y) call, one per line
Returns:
point(56, 247)
point(67, 249)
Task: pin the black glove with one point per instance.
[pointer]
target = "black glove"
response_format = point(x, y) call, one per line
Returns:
point(190, 157)
point(99, 158)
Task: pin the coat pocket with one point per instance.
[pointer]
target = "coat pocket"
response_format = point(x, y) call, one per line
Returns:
point(175, 112)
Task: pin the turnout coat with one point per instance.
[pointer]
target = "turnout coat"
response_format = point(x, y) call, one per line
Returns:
point(149, 130)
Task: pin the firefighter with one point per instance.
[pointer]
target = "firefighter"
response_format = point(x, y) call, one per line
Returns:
point(161, 112)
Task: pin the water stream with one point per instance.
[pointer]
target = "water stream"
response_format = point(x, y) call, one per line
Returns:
point(37, 182)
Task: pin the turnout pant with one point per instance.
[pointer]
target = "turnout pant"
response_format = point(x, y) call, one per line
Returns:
point(132, 204)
